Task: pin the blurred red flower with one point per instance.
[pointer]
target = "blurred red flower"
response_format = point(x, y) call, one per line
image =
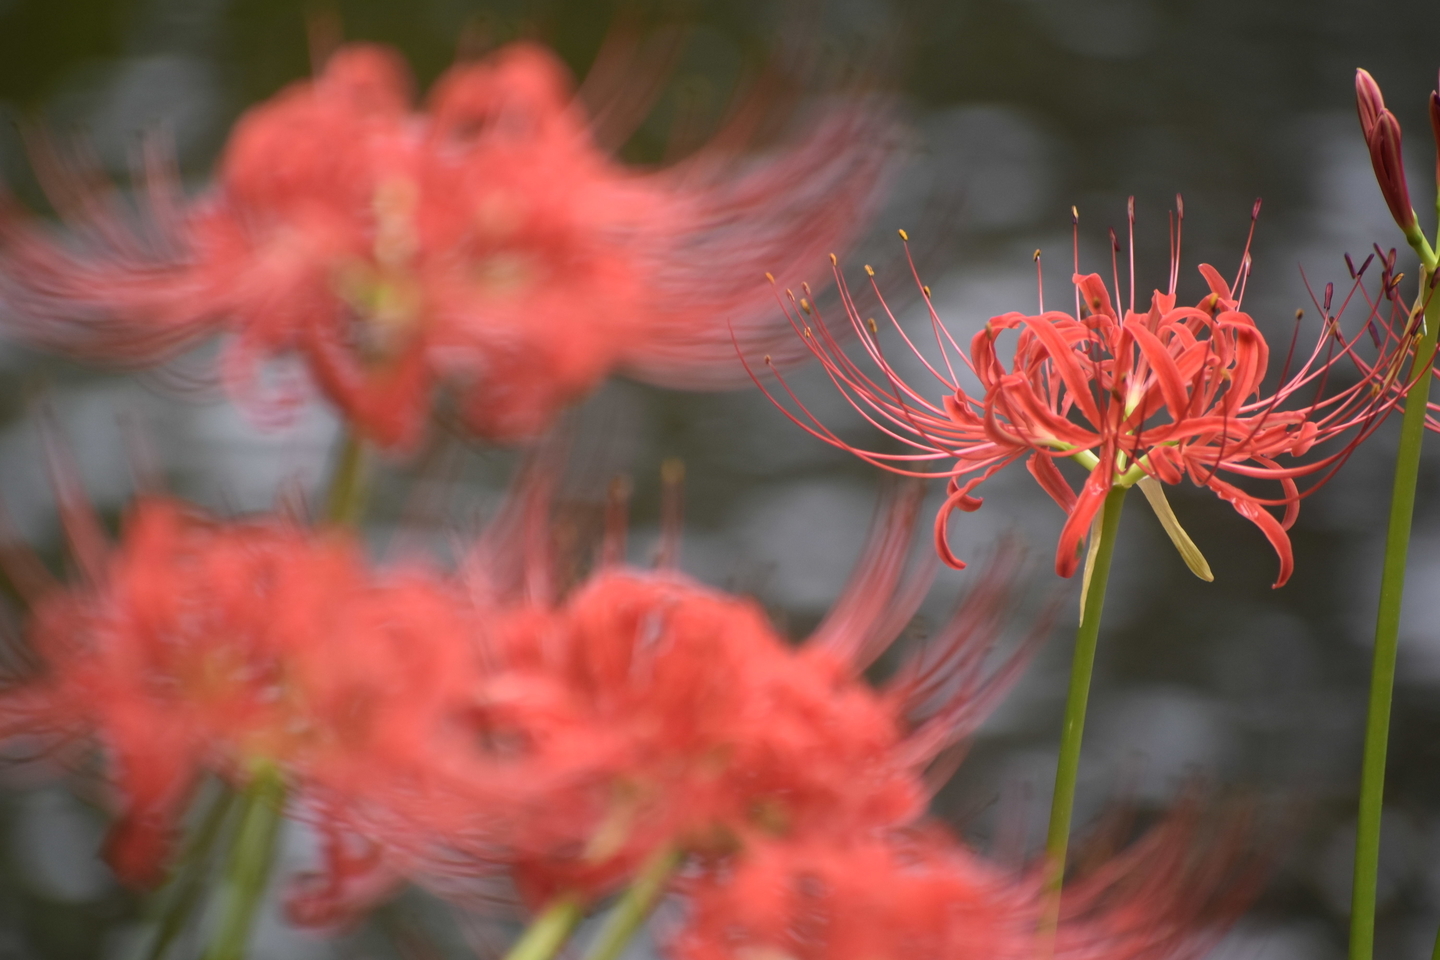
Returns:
point(201, 646)
point(1132, 397)
point(644, 712)
point(485, 244)
point(920, 893)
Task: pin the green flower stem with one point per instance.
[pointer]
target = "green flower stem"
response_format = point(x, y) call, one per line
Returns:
point(1083, 665)
point(246, 876)
point(187, 883)
point(634, 905)
point(1387, 633)
point(1435, 954)
point(548, 933)
point(346, 498)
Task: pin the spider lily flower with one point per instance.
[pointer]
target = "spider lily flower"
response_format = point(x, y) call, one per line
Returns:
point(649, 713)
point(198, 646)
point(485, 245)
point(1134, 397)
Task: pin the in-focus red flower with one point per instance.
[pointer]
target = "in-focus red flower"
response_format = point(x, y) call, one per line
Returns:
point(484, 244)
point(223, 647)
point(1131, 396)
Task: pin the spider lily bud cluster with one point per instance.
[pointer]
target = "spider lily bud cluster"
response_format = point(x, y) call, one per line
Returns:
point(1382, 137)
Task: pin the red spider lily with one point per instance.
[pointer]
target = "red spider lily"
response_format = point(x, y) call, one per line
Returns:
point(203, 646)
point(1138, 397)
point(484, 244)
point(920, 893)
point(648, 713)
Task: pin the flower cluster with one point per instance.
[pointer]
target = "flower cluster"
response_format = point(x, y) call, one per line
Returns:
point(485, 244)
point(455, 730)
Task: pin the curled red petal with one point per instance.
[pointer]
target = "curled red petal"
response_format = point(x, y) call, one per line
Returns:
point(1273, 529)
point(1042, 468)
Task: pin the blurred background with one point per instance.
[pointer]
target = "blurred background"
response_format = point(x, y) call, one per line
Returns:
point(1017, 110)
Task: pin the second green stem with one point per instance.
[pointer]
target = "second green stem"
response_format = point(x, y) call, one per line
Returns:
point(634, 905)
point(1082, 667)
point(1387, 637)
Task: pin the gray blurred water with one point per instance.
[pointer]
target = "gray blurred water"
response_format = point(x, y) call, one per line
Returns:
point(1021, 108)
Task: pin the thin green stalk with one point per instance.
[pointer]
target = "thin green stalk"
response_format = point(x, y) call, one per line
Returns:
point(247, 874)
point(544, 938)
point(1081, 668)
point(347, 483)
point(634, 905)
point(1387, 634)
point(187, 883)
point(1435, 954)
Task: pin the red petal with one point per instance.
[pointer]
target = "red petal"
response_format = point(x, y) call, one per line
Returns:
point(1042, 468)
point(1274, 531)
point(1091, 499)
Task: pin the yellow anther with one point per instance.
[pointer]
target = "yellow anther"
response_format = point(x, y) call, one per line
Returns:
point(870, 322)
point(767, 359)
point(904, 236)
point(833, 261)
point(926, 291)
point(807, 333)
point(804, 304)
point(869, 270)
point(770, 276)
point(1037, 254)
point(1299, 314)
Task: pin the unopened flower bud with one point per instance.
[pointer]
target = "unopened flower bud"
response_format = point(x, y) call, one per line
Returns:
point(1389, 163)
point(1368, 100)
point(1435, 128)
point(1382, 136)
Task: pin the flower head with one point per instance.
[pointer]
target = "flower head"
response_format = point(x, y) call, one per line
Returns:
point(644, 712)
point(204, 646)
point(1132, 396)
point(484, 244)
